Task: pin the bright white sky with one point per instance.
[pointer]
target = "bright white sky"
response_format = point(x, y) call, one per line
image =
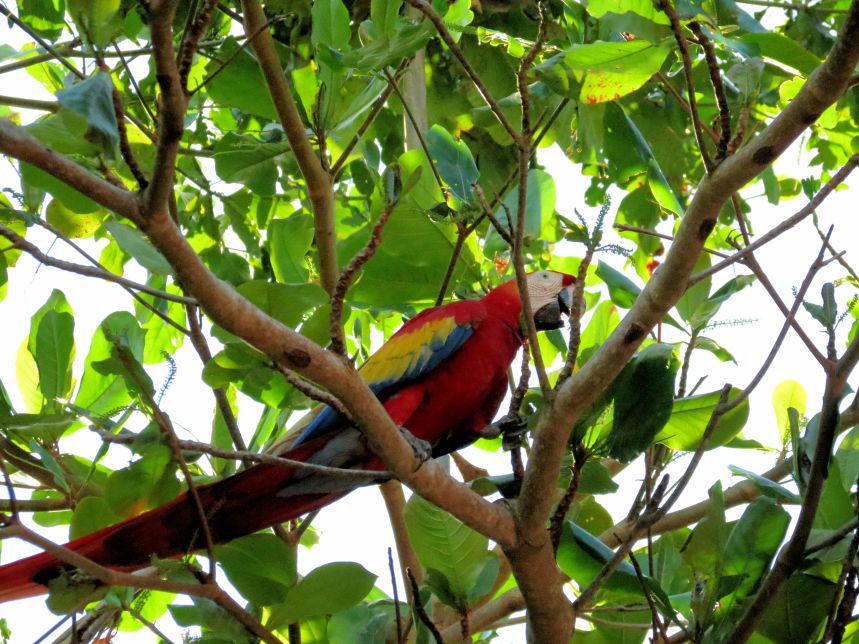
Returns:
point(786, 262)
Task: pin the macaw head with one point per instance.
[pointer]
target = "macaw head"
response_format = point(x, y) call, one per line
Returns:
point(551, 294)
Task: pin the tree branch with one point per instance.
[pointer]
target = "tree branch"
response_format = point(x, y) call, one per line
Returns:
point(318, 181)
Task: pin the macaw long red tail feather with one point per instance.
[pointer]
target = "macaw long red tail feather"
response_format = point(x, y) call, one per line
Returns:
point(235, 506)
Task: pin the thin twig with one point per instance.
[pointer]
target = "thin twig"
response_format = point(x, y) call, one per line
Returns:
point(718, 90)
point(400, 639)
point(433, 16)
point(201, 346)
point(419, 609)
point(374, 111)
point(461, 236)
point(524, 144)
point(267, 459)
point(347, 276)
point(90, 271)
point(785, 225)
point(42, 42)
point(658, 626)
point(191, 36)
point(677, 29)
point(312, 391)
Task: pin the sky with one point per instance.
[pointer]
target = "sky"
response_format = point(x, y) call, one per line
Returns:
point(785, 261)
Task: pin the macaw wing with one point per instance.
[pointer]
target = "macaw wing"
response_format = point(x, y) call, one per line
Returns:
point(409, 355)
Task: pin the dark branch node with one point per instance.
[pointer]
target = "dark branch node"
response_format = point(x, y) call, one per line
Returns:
point(298, 358)
point(765, 155)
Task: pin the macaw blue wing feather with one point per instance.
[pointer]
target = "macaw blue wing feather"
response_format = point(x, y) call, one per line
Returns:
point(409, 355)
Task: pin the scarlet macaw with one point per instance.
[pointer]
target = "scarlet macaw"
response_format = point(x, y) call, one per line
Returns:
point(442, 377)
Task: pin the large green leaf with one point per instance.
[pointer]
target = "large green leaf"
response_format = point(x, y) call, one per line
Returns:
point(240, 84)
point(644, 8)
point(289, 240)
point(751, 546)
point(136, 245)
point(92, 99)
point(539, 212)
point(454, 162)
point(581, 556)
point(285, 302)
point(330, 24)
point(446, 545)
point(328, 589)
point(798, 609)
point(55, 350)
point(260, 566)
point(786, 395)
point(245, 160)
point(690, 416)
point(604, 71)
point(643, 396)
point(103, 393)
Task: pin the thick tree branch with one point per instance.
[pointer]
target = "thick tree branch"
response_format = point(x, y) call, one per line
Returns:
point(318, 181)
point(171, 113)
point(16, 142)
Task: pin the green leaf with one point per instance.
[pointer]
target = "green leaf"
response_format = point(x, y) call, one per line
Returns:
point(91, 513)
point(289, 241)
point(260, 566)
point(27, 377)
point(98, 20)
point(385, 14)
point(245, 160)
point(751, 546)
point(644, 8)
point(389, 49)
point(798, 609)
point(621, 289)
point(707, 309)
point(708, 344)
point(539, 212)
point(704, 550)
point(446, 545)
point(328, 589)
point(643, 398)
point(92, 99)
point(55, 350)
point(696, 294)
point(135, 244)
point(605, 71)
point(689, 419)
point(581, 556)
point(71, 224)
point(240, 85)
point(786, 395)
point(103, 393)
point(783, 49)
point(656, 180)
point(766, 486)
point(34, 178)
point(287, 303)
point(330, 24)
point(137, 487)
point(454, 162)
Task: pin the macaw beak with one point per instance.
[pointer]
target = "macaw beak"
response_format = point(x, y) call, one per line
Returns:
point(548, 316)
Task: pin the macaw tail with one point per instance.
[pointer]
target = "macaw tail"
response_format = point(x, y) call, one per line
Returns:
point(251, 500)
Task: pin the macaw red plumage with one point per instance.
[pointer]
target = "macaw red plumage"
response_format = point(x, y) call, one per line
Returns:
point(442, 377)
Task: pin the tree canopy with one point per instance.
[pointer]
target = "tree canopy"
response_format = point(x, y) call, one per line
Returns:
point(294, 180)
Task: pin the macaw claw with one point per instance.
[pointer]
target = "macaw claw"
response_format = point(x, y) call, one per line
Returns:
point(511, 426)
point(421, 448)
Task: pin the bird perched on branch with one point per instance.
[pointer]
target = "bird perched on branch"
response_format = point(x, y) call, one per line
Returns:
point(441, 378)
